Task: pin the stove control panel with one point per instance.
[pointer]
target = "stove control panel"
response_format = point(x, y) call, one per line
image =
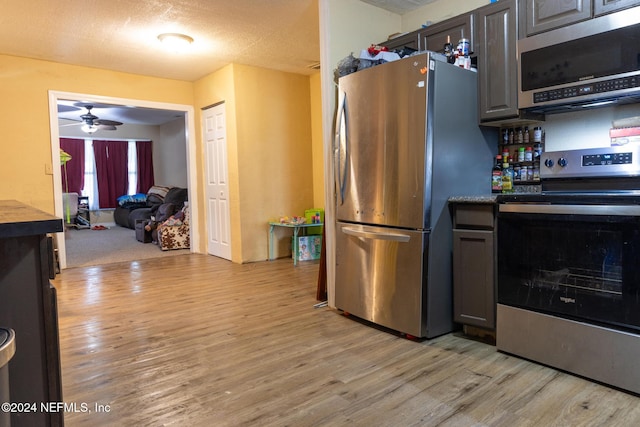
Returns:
point(613, 161)
point(607, 159)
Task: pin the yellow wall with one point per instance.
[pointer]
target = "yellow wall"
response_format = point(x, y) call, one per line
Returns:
point(212, 89)
point(269, 136)
point(274, 152)
point(24, 116)
point(269, 142)
point(317, 143)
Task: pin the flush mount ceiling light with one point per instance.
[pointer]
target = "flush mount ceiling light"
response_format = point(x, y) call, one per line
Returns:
point(175, 41)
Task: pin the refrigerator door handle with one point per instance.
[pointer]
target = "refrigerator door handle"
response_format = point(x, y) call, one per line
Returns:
point(398, 237)
point(341, 145)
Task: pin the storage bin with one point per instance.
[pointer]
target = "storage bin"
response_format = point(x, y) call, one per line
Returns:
point(308, 248)
point(309, 214)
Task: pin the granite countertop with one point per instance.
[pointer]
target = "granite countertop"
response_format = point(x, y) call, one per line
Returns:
point(18, 219)
point(493, 197)
point(483, 198)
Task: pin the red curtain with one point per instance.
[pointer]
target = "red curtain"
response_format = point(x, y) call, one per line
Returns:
point(144, 155)
point(73, 171)
point(111, 171)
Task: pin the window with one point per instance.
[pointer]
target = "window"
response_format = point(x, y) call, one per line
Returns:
point(90, 180)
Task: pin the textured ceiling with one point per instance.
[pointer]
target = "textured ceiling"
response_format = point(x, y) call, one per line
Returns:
point(122, 35)
point(399, 6)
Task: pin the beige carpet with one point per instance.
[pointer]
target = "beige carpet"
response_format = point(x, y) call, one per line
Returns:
point(116, 244)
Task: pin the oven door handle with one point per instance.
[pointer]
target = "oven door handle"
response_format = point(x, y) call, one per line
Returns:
point(615, 210)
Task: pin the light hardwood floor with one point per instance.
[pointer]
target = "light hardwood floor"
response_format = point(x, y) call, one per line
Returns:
point(194, 340)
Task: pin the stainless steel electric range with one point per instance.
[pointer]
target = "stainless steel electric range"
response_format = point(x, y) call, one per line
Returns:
point(569, 266)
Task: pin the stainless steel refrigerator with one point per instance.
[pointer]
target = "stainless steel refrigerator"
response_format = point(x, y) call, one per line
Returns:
point(407, 138)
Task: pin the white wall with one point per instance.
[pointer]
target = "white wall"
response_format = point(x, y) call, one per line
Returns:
point(584, 129)
point(439, 11)
point(353, 26)
point(170, 155)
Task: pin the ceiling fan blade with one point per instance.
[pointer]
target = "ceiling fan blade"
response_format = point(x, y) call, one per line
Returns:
point(67, 108)
point(107, 122)
point(70, 124)
point(107, 127)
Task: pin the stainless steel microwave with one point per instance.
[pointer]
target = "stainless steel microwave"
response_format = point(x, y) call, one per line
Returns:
point(588, 64)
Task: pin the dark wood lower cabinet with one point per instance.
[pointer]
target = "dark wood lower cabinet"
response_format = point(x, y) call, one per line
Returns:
point(474, 281)
point(28, 306)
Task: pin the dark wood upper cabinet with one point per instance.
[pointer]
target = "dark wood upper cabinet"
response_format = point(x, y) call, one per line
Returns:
point(435, 36)
point(497, 67)
point(602, 7)
point(545, 15)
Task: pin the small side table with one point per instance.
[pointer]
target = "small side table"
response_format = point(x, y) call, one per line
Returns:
point(296, 229)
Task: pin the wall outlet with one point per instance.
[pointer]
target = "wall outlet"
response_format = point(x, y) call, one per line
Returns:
point(48, 169)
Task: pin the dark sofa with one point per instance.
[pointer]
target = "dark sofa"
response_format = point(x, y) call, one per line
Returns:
point(132, 210)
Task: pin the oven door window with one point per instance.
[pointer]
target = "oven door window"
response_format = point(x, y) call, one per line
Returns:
point(581, 267)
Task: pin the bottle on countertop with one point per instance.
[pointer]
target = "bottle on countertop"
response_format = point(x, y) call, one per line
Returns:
point(496, 176)
point(507, 177)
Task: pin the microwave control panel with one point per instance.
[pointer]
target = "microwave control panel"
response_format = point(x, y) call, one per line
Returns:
point(611, 85)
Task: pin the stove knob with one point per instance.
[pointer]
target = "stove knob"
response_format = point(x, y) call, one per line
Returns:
point(548, 163)
point(562, 162)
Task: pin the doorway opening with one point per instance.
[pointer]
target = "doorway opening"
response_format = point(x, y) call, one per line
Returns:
point(187, 111)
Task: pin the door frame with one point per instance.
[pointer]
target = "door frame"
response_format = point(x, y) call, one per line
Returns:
point(55, 96)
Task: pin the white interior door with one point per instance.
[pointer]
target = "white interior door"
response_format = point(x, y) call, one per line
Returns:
point(217, 188)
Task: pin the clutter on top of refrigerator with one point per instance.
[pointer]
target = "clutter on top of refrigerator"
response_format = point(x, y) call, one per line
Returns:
point(370, 57)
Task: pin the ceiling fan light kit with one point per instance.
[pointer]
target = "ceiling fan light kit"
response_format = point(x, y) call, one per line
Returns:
point(175, 41)
point(89, 128)
point(90, 123)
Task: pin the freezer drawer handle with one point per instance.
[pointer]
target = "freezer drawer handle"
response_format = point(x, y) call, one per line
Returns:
point(376, 235)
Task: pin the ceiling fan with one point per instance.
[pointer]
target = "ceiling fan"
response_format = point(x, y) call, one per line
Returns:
point(91, 123)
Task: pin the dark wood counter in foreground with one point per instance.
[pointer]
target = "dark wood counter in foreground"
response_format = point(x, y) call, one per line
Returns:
point(28, 307)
